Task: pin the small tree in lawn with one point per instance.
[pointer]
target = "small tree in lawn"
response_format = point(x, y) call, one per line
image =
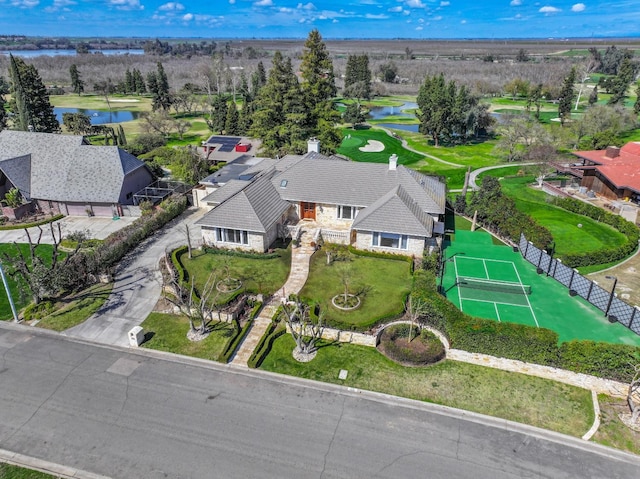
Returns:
point(196, 308)
point(345, 273)
point(416, 308)
point(632, 397)
point(305, 331)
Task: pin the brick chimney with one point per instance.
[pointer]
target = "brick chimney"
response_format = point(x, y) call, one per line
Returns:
point(393, 162)
point(313, 145)
point(612, 152)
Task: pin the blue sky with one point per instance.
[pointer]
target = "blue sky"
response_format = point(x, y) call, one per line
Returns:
point(334, 18)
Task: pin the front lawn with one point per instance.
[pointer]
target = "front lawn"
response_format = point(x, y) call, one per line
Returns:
point(612, 431)
point(258, 276)
point(76, 308)
point(516, 397)
point(168, 332)
point(386, 283)
point(564, 225)
point(8, 471)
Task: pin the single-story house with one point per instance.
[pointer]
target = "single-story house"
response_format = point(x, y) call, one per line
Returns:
point(613, 173)
point(379, 207)
point(64, 174)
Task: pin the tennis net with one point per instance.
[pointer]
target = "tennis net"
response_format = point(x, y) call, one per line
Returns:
point(492, 285)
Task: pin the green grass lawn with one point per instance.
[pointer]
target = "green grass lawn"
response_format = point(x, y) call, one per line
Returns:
point(387, 282)
point(7, 471)
point(516, 397)
point(355, 139)
point(19, 290)
point(263, 276)
point(568, 236)
point(612, 431)
point(77, 308)
point(97, 102)
point(169, 333)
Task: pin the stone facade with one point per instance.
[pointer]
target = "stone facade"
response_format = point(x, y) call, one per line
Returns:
point(415, 245)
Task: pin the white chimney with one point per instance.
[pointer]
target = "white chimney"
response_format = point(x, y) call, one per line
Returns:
point(393, 162)
point(313, 145)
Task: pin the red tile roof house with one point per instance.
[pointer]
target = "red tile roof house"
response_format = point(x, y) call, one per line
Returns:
point(64, 174)
point(613, 173)
point(378, 207)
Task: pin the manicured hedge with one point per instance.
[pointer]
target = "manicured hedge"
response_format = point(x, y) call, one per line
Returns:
point(177, 264)
point(605, 255)
point(31, 225)
point(526, 343)
point(404, 353)
point(380, 254)
point(233, 344)
point(241, 254)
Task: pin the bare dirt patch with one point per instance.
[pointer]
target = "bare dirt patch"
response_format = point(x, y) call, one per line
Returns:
point(628, 286)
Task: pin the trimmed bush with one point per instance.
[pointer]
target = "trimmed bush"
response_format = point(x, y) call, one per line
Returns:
point(380, 254)
point(424, 347)
point(242, 254)
point(31, 225)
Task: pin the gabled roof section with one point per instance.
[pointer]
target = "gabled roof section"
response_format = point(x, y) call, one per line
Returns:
point(324, 180)
point(225, 192)
point(18, 171)
point(65, 168)
point(255, 208)
point(623, 171)
point(395, 212)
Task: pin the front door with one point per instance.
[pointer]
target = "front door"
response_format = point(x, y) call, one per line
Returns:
point(308, 210)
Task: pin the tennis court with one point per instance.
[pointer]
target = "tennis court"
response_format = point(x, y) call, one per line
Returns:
point(494, 282)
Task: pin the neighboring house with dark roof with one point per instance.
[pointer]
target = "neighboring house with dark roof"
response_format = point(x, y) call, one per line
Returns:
point(64, 174)
point(613, 173)
point(368, 205)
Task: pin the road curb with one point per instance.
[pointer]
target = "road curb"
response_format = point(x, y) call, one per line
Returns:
point(47, 467)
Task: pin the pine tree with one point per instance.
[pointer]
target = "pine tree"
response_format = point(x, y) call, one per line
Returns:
point(122, 139)
point(129, 83)
point(258, 79)
point(30, 101)
point(318, 81)
point(76, 83)
point(218, 115)
point(4, 89)
point(567, 94)
point(231, 124)
point(626, 73)
point(636, 105)
point(593, 97)
point(357, 81)
point(159, 88)
point(140, 86)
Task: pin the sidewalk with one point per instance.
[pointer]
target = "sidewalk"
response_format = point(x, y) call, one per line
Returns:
point(300, 258)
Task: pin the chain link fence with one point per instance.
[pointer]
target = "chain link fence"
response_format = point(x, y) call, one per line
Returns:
point(614, 308)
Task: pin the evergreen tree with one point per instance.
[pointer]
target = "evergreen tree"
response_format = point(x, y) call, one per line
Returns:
point(353, 114)
point(159, 88)
point(231, 124)
point(626, 74)
point(30, 101)
point(122, 139)
point(258, 79)
point(244, 122)
point(636, 105)
point(357, 81)
point(4, 89)
point(129, 83)
point(140, 86)
point(76, 83)
point(318, 81)
point(593, 97)
point(567, 94)
point(218, 114)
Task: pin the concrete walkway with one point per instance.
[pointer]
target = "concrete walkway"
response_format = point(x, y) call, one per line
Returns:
point(406, 146)
point(300, 258)
point(474, 174)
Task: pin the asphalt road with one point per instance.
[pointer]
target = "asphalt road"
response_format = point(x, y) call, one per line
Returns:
point(145, 415)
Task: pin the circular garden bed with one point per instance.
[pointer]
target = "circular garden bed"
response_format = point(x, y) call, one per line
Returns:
point(346, 304)
point(421, 349)
point(229, 284)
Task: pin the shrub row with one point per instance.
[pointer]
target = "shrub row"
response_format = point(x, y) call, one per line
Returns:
point(380, 254)
point(526, 343)
point(263, 348)
point(177, 264)
point(233, 344)
point(605, 255)
point(241, 254)
point(31, 225)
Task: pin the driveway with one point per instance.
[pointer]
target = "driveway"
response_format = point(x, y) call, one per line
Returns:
point(138, 284)
point(98, 228)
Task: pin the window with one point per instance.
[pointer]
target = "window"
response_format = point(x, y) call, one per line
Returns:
point(390, 240)
point(226, 235)
point(129, 195)
point(346, 212)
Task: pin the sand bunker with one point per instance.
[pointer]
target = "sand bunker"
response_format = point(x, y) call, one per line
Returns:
point(372, 146)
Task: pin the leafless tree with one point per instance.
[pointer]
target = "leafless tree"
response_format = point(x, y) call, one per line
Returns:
point(633, 396)
point(304, 331)
point(543, 155)
point(158, 121)
point(416, 308)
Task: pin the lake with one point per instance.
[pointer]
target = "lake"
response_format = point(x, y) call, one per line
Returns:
point(55, 53)
point(99, 117)
point(400, 126)
point(381, 112)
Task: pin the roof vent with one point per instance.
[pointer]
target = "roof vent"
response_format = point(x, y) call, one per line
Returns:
point(612, 152)
point(283, 183)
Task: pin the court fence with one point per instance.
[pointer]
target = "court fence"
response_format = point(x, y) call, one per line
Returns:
point(614, 308)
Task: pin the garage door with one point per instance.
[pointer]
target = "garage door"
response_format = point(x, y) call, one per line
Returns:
point(103, 210)
point(76, 209)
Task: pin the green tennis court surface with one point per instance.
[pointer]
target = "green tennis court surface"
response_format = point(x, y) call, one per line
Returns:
point(493, 282)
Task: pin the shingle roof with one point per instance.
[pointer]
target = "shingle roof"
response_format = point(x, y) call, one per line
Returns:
point(623, 171)
point(225, 192)
point(63, 168)
point(323, 180)
point(256, 208)
point(18, 170)
point(395, 212)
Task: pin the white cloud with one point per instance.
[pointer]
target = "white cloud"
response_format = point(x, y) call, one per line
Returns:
point(306, 6)
point(397, 9)
point(578, 7)
point(380, 16)
point(171, 7)
point(126, 4)
point(438, 18)
point(415, 4)
point(445, 4)
point(232, 2)
point(60, 5)
point(285, 10)
point(25, 3)
point(515, 3)
point(187, 17)
point(549, 9)
point(463, 22)
point(263, 3)
point(419, 28)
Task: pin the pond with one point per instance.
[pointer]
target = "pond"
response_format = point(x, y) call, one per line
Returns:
point(400, 126)
point(381, 112)
point(55, 53)
point(99, 117)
